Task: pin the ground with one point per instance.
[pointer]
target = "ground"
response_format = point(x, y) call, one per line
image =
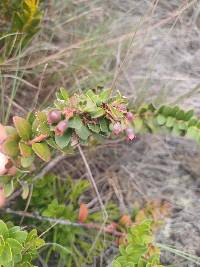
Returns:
point(163, 65)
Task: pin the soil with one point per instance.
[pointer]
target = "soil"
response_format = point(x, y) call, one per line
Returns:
point(162, 65)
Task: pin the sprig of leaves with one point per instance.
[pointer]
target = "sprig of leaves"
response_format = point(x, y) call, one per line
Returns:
point(77, 119)
point(167, 119)
point(64, 203)
point(138, 249)
point(18, 247)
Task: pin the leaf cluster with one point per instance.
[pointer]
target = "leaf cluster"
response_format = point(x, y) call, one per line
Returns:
point(18, 248)
point(76, 245)
point(87, 118)
point(168, 119)
point(138, 250)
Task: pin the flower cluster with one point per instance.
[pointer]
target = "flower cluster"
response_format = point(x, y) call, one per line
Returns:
point(117, 125)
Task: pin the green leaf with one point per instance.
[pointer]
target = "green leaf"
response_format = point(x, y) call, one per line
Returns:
point(15, 246)
point(8, 188)
point(136, 251)
point(10, 147)
point(17, 234)
point(138, 124)
point(83, 132)
point(176, 131)
point(115, 263)
point(94, 127)
point(10, 130)
point(5, 254)
point(92, 96)
point(161, 120)
point(182, 125)
point(3, 229)
point(42, 151)
point(122, 260)
point(167, 111)
point(151, 107)
point(30, 117)
point(104, 125)
point(144, 108)
point(25, 150)
point(193, 133)
point(189, 114)
point(34, 240)
point(88, 105)
point(105, 95)
point(98, 113)
point(64, 93)
point(27, 162)
point(52, 143)
point(193, 122)
point(170, 122)
point(40, 124)
point(180, 115)
point(75, 122)
point(63, 141)
point(23, 128)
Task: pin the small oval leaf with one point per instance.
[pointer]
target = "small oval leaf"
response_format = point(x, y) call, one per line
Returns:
point(63, 141)
point(42, 151)
point(10, 147)
point(25, 150)
point(23, 128)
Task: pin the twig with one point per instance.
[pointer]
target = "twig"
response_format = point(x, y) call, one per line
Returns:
point(64, 222)
point(28, 201)
point(135, 184)
point(48, 167)
point(39, 86)
point(93, 182)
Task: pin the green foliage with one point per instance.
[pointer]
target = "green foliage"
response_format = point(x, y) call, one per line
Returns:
point(168, 119)
point(82, 119)
point(89, 118)
point(21, 17)
point(138, 250)
point(55, 198)
point(18, 248)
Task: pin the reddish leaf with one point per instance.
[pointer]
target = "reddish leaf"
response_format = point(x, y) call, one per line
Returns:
point(83, 213)
point(125, 220)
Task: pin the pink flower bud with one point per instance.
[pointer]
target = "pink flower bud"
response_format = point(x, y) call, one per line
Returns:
point(54, 116)
point(129, 116)
point(130, 134)
point(61, 127)
point(122, 108)
point(117, 128)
